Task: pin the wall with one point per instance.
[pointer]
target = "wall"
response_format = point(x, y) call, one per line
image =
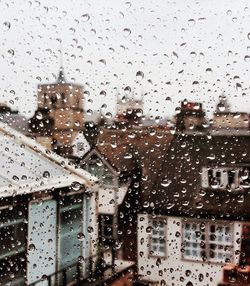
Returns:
point(73, 95)
point(172, 269)
point(41, 240)
point(108, 196)
point(43, 250)
point(231, 120)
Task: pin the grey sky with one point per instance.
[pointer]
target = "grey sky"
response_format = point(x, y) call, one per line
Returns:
point(174, 43)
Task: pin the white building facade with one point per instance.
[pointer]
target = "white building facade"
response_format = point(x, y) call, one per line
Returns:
point(180, 251)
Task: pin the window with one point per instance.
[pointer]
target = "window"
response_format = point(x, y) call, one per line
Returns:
point(107, 177)
point(158, 237)
point(214, 178)
point(80, 146)
point(244, 180)
point(45, 98)
point(194, 237)
point(53, 100)
point(232, 178)
point(63, 98)
point(220, 243)
point(13, 245)
point(98, 169)
point(208, 242)
point(227, 177)
point(95, 168)
point(106, 228)
point(71, 224)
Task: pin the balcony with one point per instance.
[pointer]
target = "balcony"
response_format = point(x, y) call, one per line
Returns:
point(99, 269)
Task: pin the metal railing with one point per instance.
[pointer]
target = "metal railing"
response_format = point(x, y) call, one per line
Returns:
point(86, 270)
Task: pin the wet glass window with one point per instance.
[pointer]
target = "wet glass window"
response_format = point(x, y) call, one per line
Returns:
point(125, 143)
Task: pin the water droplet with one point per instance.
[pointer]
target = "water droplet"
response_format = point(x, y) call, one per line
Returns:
point(127, 156)
point(6, 26)
point(166, 182)
point(139, 76)
point(193, 54)
point(90, 229)
point(170, 205)
point(209, 71)
point(103, 61)
point(127, 90)
point(76, 186)
point(15, 178)
point(126, 32)
point(44, 277)
point(32, 247)
point(11, 52)
point(46, 174)
point(246, 58)
point(215, 184)
point(191, 22)
point(39, 115)
point(221, 107)
point(80, 236)
point(103, 93)
point(244, 174)
point(85, 17)
point(199, 205)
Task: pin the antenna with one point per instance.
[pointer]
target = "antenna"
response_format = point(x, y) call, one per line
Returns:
point(61, 54)
point(61, 77)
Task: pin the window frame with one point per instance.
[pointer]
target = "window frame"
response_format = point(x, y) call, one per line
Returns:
point(207, 240)
point(153, 254)
point(103, 174)
point(237, 185)
point(104, 239)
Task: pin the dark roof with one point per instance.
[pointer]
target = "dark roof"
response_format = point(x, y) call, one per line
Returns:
point(135, 148)
point(177, 187)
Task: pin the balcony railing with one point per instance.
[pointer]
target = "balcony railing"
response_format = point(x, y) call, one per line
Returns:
point(88, 271)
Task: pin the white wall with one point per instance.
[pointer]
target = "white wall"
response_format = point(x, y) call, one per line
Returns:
point(172, 268)
point(108, 196)
point(80, 138)
point(41, 240)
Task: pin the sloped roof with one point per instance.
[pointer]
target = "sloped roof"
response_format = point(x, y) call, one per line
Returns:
point(177, 189)
point(132, 148)
point(28, 167)
point(16, 121)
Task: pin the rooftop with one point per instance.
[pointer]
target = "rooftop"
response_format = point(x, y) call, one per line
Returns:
point(28, 167)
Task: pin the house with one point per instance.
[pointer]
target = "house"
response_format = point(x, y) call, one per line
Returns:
point(114, 192)
point(48, 213)
point(137, 153)
point(194, 219)
point(59, 207)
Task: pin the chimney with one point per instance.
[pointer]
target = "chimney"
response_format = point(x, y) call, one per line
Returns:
point(191, 117)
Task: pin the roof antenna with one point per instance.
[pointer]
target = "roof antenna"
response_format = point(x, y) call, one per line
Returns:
point(61, 77)
point(61, 55)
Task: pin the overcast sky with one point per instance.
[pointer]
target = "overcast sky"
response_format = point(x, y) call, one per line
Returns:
point(185, 49)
